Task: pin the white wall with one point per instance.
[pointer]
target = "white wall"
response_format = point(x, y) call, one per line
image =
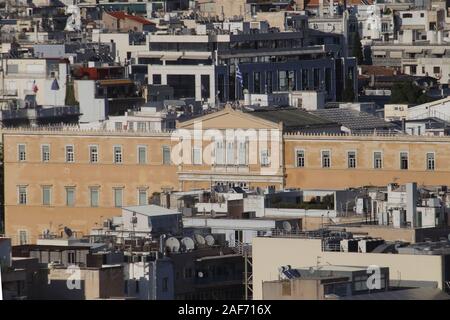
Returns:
point(92, 109)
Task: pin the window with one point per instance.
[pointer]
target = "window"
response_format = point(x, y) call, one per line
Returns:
point(22, 198)
point(430, 161)
point(256, 82)
point(219, 152)
point(45, 152)
point(142, 197)
point(165, 284)
point(300, 155)
point(93, 154)
point(166, 155)
point(265, 158)
point(117, 154)
point(118, 194)
point(70, 155)
point(118, 126)
point(242, 152)
point(437, 70)
point(197, 156)
point(156, 79)
point(282, 81)
point(141, 126)
point(269, 82)
point(23, 237)
point(404, 160)
point(71, 257)
point(230, 152)
point(21, 152)
point(142, 154)
point(94, 196)
point(46, 195)
point(351, 159)
point(377, 160)
point(70, 196)
point(326, 159)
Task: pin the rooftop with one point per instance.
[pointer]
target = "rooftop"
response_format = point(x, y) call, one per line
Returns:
point(292, 117)
point(151, 210)
point(354, 119)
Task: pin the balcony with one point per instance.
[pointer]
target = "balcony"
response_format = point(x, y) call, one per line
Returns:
point(9, 92)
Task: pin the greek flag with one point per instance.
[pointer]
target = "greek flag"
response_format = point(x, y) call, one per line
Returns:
point(239, 76)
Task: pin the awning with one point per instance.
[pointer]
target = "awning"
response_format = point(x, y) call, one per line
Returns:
point(171, 56)
point(414, 50)
point(379, 53)
point(438, 51)
point(115, 82)
point(395, 54)
point(196, 55)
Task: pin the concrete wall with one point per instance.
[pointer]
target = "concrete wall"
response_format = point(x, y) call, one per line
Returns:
point(271, 253)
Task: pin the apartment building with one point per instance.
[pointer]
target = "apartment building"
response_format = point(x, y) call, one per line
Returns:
point(78, 178)
point(34, 77)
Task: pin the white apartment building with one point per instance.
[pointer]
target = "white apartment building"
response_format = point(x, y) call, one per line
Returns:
point(24, 77)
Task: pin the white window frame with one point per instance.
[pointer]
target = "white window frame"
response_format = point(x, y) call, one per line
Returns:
point(434, 161)
point(356, 159)
point(91, 153)
point(145, 156)
point(166, 147)
point(19, 200)
point(91, 188)
point(297, 150)
point(139, 190)
point(114, 196)
point(42, 152)
point(195, 160)
point(264, 158)
point(67, 196)
point(321, 158)
point(27, 237)
point(400, 160)
point(374, 162)
point(19, 153)
point(114, 154)
point(66, 153)
point(49, 195)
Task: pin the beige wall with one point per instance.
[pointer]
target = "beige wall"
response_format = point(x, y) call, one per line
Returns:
point(33, 173)
point(338, 176)
point(271, 253)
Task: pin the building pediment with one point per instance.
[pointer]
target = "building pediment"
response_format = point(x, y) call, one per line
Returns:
point(228, 118)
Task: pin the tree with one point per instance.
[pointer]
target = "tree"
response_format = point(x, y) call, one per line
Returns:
point(70, 95)
point(408, 93)
point(357, 48)
point(349, 93)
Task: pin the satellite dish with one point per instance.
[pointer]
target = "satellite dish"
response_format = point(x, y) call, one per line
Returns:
point(199, 239)
point(311, 270)
point(173, 244)
point(200, 274)
point(188, 243)
point(210, 240)
point(68, 232)
point(287, 226)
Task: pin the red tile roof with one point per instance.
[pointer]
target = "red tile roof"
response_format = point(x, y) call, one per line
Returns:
point(122, 15)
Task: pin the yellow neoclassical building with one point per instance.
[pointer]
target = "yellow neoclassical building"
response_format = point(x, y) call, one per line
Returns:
point(75, 178)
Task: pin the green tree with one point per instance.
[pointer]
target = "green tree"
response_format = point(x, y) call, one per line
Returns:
point(408, 93)
point(357, 51)
point(70, 95)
